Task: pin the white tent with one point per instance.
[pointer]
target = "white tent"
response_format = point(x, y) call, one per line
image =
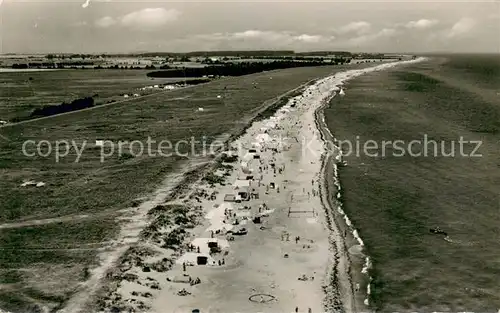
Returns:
point(245, 169)
point(270, 124)
point(241, 184)
point(256, 145)
point(191, 258)
point(247, 157)
point(263, 138)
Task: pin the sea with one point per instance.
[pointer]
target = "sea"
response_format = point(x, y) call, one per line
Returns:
point(422, 146)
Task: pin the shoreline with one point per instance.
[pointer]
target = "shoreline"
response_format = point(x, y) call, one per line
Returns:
point(150, 279)
point(155, 283)
point(180, 186)
point(345, 274)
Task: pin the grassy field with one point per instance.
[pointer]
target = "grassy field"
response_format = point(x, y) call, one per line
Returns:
point(22, 92)
point(44, 263)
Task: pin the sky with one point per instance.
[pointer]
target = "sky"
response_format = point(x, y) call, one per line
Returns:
point(124, 26)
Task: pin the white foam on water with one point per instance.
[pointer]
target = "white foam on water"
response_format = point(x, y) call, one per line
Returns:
point(339, 80)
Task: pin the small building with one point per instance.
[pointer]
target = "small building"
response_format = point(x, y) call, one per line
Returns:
point(240, 183)
point(254, 194)
point(263, 138)
point(202, 260)
point(244, 194)
point(230, 198)
point(247, 157)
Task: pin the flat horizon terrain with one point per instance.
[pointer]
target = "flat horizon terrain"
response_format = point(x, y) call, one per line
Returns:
point(23, 91)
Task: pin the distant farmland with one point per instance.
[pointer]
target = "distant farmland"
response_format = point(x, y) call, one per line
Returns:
point(43, 264)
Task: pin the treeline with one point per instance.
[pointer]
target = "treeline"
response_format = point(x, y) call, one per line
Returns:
point(336, 59)
point(218, 53)
point(326, 53)
point(234, 69)
point(129, 67)
point(50, 65)
point(80, 65)
point(75, 105)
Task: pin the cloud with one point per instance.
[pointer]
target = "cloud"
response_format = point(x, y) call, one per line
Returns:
point(365, 39)
point(257, 39)
point(461, 27)
point(105, 22)
point(421, 24)
point(147, 19)
point(150, 18)
point(360, 27)
point(310, 38)
point(255, 34)
point(267, 36)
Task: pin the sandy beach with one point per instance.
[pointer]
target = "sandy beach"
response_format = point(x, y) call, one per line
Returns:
point(263, 233)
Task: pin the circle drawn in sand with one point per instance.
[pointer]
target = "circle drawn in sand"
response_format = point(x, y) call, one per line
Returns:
point(262, 298)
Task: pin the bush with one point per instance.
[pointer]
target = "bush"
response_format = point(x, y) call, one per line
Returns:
point(213, 179)
point(229, 158)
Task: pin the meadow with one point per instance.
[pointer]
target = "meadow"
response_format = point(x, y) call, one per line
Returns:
point(22, 92)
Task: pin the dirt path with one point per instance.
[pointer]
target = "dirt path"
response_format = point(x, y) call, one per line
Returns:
point(46, 221)
point(96, 107)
